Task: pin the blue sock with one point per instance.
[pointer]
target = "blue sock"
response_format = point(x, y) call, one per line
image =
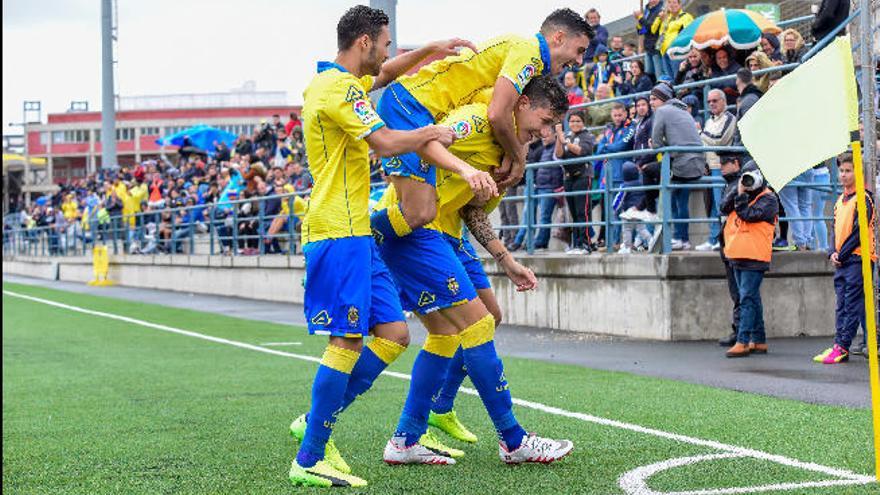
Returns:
point(445, 400)
point(427, 378)
point(375, 357)
point(331, 380)
point(389, 223)
point(487, 374)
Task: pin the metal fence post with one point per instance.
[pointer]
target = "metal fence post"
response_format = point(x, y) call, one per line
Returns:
point(234, 248)
point(608, 200)
point(291, 249)
point(262, 220)
point(530, 212)
point(666, 203)
point(192, 232)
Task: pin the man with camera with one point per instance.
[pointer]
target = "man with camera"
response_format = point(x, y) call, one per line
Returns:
point(751, 210)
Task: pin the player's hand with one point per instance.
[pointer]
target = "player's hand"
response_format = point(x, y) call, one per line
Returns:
point(445, 135)
point(452, 46)
point(834, 260)
point(521, 276)
point(510, 172)
point(481, 183)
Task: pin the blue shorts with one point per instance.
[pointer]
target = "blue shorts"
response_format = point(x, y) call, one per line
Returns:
point(402, 112)
point(349, 290)
point(427, 271)
point(470, 260)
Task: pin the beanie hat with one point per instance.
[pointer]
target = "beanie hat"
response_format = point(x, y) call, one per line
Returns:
point(662, 92)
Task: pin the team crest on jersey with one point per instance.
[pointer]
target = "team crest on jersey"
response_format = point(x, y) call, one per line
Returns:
point(426, 298)
point(479, 123)
point(452, 285)
point(364, 111)
point(354, 94)
point(353, 316)
point(322, 318)
point(462, 129)
point(526, 74)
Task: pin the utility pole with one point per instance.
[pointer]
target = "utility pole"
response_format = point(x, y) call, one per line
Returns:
point(108, 97)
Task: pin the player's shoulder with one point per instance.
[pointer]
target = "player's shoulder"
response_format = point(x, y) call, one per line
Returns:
point(469, 120)
point(509, 39)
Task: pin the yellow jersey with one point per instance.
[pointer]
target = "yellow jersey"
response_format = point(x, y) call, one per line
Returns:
point(475, 145)
point(337, 115)
point(446, 84)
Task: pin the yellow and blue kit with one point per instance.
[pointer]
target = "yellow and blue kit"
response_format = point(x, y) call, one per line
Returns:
point(435, 90)
point(348, 288)
point(434, 267)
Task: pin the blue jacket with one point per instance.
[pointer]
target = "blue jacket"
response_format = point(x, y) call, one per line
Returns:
point(631, 178)
point(545, 177)
point(613, 140)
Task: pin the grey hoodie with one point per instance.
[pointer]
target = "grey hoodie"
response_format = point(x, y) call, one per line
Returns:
point(674, 126)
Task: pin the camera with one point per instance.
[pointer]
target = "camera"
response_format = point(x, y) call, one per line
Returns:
point(751, 180)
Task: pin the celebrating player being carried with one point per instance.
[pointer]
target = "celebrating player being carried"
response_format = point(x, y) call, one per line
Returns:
point(348, 291)
point(438, 279)
point(506, 63)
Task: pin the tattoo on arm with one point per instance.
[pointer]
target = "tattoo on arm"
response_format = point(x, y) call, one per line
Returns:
point(478, 224)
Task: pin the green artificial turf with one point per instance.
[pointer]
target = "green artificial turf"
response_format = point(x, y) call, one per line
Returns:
point(94, 405)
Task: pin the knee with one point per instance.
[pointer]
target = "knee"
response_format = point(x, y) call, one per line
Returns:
point(401, 340)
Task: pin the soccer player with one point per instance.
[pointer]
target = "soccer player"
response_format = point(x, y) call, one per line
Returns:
point(435, 284)
point(348, 290)
point(506, 63)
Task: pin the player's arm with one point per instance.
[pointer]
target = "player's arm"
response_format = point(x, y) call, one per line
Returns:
point(477, 221)
point(481, 183)
point(504, 98)
point(397, 66)
point(387, 142)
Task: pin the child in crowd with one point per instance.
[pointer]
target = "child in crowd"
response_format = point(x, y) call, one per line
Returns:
point(846, 256)
point(629, 202)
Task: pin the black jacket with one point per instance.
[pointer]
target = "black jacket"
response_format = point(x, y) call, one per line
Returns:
point(765, 209)
point(831, 14)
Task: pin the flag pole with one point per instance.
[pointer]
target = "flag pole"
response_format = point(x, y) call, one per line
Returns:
point(868, 286)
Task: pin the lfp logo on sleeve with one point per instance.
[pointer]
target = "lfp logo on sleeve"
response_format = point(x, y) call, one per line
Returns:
point(526, 74)
point(364, 111)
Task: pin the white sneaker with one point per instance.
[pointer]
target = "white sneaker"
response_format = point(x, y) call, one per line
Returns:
point(575, 251)
point(536, 449)
point(624, 250)
point(397, 453)
point(716, 246)
point(647, 216)
point(678, 245)
point(706, 246)
point(630, 214)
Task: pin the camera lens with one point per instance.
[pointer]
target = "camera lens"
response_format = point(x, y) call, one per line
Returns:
point(748, 180)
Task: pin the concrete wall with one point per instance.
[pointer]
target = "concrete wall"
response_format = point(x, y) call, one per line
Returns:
point(676, 297)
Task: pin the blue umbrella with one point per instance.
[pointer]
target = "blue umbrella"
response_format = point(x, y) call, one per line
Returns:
point(201, 136)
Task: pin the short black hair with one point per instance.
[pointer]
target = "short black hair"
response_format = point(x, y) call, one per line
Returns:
point(579, 114)
point(729, 156)
point(546, 91)
point(358, 21)
point(744, 75)
point(846, 157)
point(567, 20)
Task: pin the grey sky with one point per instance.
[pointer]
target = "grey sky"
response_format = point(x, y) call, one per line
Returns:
point(52, 50)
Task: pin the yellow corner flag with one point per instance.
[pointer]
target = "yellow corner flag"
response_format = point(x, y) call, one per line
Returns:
point(806, 117)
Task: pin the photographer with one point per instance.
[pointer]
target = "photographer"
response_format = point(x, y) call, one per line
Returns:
point(751, 211)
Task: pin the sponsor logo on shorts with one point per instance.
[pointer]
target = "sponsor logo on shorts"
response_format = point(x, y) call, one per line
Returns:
point(364, 111)
point(353, 316)
point(462, 129)
point(452, 285)
point(526, 75)
point(394, 162)
point(322, 318)
point(426, 298)
point(378, 236)
point(424, 166)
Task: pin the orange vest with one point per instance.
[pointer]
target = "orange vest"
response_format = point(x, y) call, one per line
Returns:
point(845, 213)
point(748, 240)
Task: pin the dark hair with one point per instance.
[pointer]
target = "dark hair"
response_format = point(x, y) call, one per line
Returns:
point(631, 44)
point(729, 156)
point(639, 63)
point(568, 21)
point(546, 91)
point(358, 21)
point(618, 106)
point(846, 157)
point(579, 114)
point(744, 75)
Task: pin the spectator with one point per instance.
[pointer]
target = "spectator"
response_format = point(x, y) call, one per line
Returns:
point(697, 67)
point(600, 37)
point(293, 122)
point(755, 62)
point(748, 237)
point(725, 65)
point(647, 164)
point(770, 48)
point(575, 93)
point(637, 81)
point(818, 197)
point(602, 72)
point(615, 49)
point(667, 25)
point(617, 137)
point(276, 124)
point(221, 151)
point(299, 177)
point(548, 179)
point(831, 14)
point(644, 25)
point(673, 126)
point(846, 256)
point(576, 143)
point(718, 131)
point(599, 115)
point(730, 171)
point(630, 201)
point(792, 46)
point(749, 94)
point(243, 145)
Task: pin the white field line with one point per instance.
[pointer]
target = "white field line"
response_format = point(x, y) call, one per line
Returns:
point(280, 344)
point(730, 449)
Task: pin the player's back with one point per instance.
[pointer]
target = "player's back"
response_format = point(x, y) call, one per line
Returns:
point(451, 82)
point(337, 116)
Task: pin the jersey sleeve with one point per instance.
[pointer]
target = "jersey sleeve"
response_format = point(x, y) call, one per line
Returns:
point(350, 108)
point(520, 65)
point(473, 135)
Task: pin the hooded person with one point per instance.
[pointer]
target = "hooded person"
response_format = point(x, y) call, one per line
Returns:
point(770, 47)
point(602, 72)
